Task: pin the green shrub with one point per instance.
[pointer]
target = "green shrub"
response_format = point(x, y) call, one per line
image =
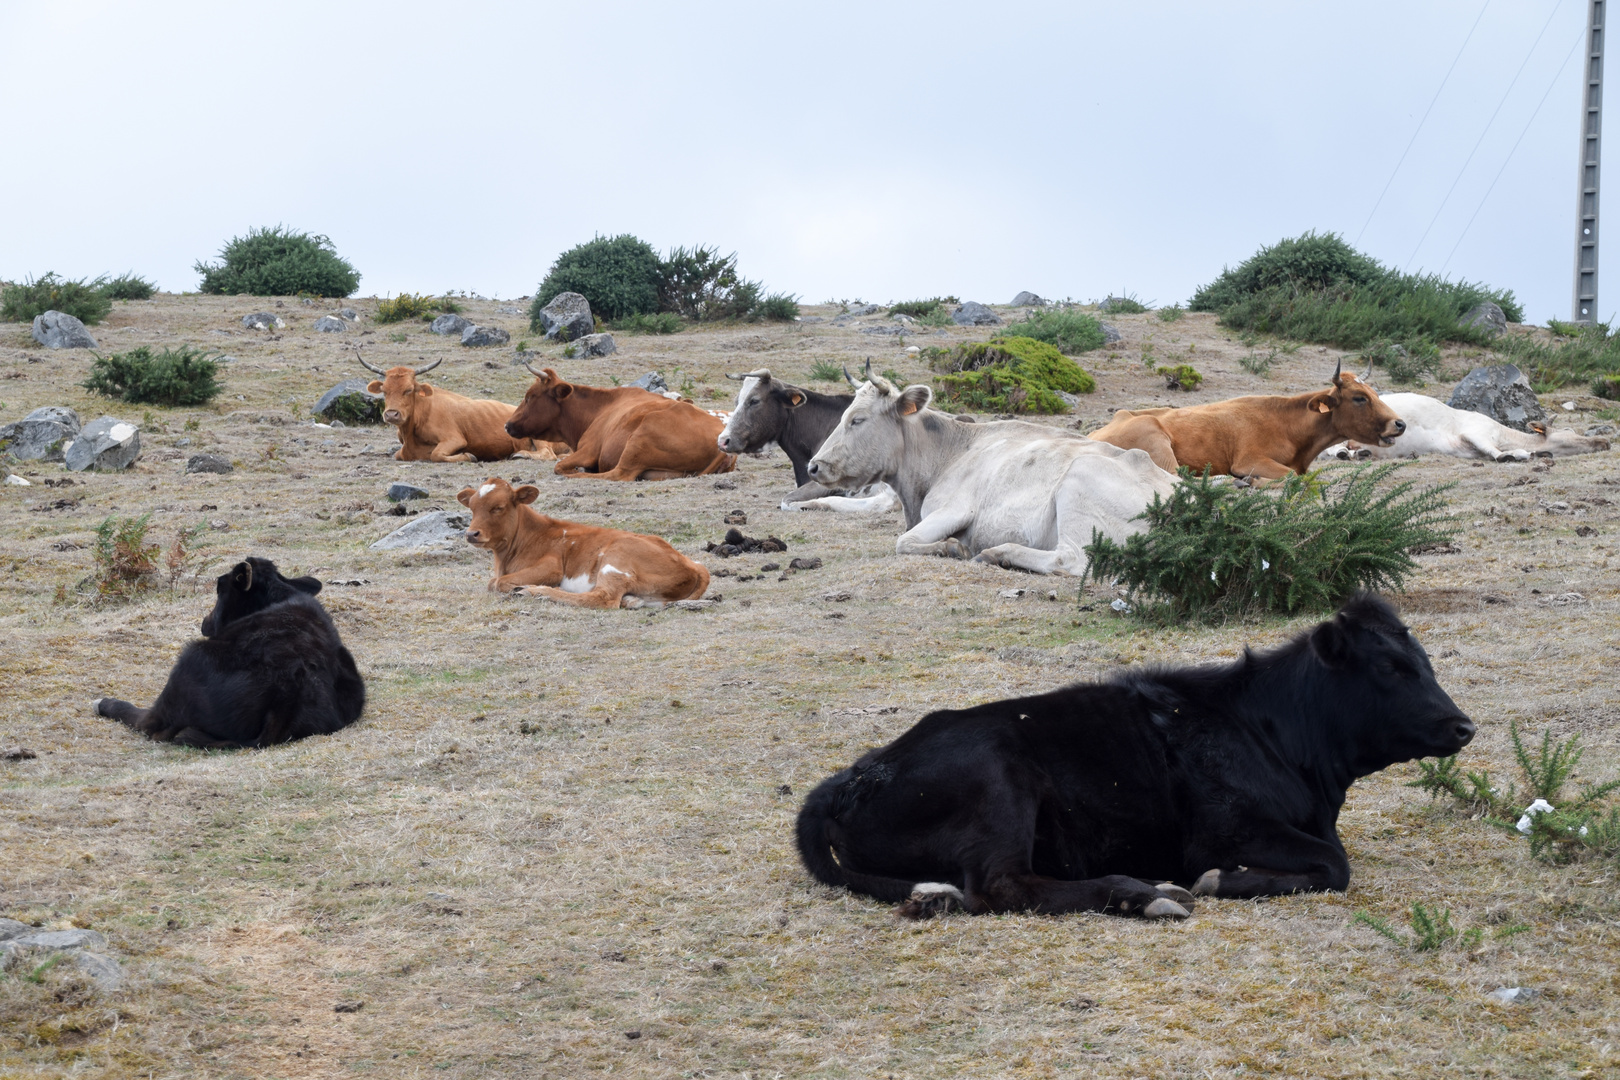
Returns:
point(1564, 329)
point(939, 317)
point(663, 322)
point(84, 300)
point(278, 262)
point(777, 307)
point(1430, 929)
point(183, 376)
point(1171, 313)
point(826, 371)
point(412, 306)
point(1181, 377)
point(703, 285)
point(1405, 364)
point(1009, 375)
point(619, 275)
point(1128, 304)
point(1071, 331)
point(1255, 364)
point(1607, 386)
point(128, 286)
point(1214, 551)
point(1593, 354)
point(1307, 263)
point(918, 308)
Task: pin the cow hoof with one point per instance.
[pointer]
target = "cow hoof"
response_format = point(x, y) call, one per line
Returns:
point(1207, 885)
point(1165, 908)
point(930, 898)
point(95, 705)
point(1175, 892)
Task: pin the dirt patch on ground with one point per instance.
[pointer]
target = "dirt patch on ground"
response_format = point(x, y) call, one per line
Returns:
point(556, 828)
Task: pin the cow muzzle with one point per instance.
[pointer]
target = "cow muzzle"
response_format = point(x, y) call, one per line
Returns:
point(475, 538)
point(393, 416)
point(1464, 730)
point(1395, 429)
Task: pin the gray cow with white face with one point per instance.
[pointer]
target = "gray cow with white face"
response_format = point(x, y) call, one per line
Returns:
point(1011, 493)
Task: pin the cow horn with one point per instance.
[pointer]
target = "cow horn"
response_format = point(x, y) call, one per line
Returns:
point(1337, 368)
point(368, 367)
point(536, 374)
point(430, 367)
point(762, 373)
point(1367, 378)
point(867, 374)
point(851, 378)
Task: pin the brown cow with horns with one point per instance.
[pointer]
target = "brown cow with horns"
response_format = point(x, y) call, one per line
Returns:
point(435, 424)
point(1259, 437)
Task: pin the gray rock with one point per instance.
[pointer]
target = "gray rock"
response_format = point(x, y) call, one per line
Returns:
point(507, 309)
point(886, 329)
point(399, 492)
point(596, 345)
point(104, 971)
point(1110, 334)
point(811, 319)
point(357, 403)
point(106, 443)
point(863, 309)
point(567, 317)
point(60, 939)
point(1501, 393)
point(450, 324)
point(436, 529)
point(903, 320)
point(74, 944)
point(208, 463)
point(1028, 299)
point(10, 928)
point(1599, 429)
point(1484, 316)
point(40, 435)
point(974, 313)
point(350, 314)
point(58, 330)
point(262, 320)
point(476, 337)
point(330, 324)
point(652, 381)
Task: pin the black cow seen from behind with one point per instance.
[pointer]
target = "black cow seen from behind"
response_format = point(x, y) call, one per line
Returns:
point(1225, 779)
point(270, 668)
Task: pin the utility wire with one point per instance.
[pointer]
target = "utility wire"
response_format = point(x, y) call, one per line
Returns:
point(1482, 135)
point(1516, 142)
point(1419, 128)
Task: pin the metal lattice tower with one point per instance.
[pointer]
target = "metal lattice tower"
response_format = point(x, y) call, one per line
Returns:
point(1586, 211)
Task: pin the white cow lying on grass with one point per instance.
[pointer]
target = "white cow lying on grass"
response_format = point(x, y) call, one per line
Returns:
point(1433, 427)
point(1011, 493)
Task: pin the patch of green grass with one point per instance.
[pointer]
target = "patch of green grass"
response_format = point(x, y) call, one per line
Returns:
point(917, 309)
point(1431, 929)
point(128, 286)
point(1405, 364)
point(1215, 552)
point(1564, 329)
point(1008, 374)
point(1255, 364)
point(84, 300)
point(1171, 313)
point(1181, 377)
point(1592, 354)
point(826, 371)
point(662, 322)
point(182, 376)
point(1129, 304)
point(1072, 332)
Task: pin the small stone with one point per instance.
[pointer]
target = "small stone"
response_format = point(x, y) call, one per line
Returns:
point(208, 463)
point(652, 382)
point(17, 753)
point(1513, 995)
point(399, 492)
point(262, 320)
point(1569, 406)
point(1010, 594)
point(567, 318)
point(41, 434)
point(1585, 530)
point(725, 485)
point(106, 443)
point(912, 350)
point(450, 324)
point(974, 313)
point(1121, 607)
point(1028, 299)
point(812, 563)
point(596, 345)
point(350, 314)
point(17, 481)
point(477, 337)
point(861, 310)
point(1110, 334)
point(632, 1034)
point(838, 597)
point(59, 330)
point(1052, 594)
point(768, 567)
point(435, 529)
point(348, 1006)
point(330, 324)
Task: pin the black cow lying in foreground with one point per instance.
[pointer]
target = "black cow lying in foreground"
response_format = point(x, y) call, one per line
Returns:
point(1225, 778)
point(269, 669)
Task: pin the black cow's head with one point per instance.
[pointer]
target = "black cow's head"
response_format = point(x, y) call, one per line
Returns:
point(1382, 680)
point(763, 405)
point(251, 585)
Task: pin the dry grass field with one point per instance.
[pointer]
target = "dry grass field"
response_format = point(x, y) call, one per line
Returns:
point(559, 841)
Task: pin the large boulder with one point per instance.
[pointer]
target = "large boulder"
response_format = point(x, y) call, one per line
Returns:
point(331, 324)
point(436, 529)
point(1027, 299)
point(450, 324)
point(1110, 334)
point(41, 434)
point(1484, 316)
point(1501, 393)
point(476, 337)
point(59, 330)
point(974, 313)
point(567, 317)
point(596, 345)
point(263, 320)
point(107, 443)
point(860, 310)
point(350, 402)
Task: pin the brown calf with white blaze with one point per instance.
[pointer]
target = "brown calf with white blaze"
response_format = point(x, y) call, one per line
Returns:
point(435, 424)
point(1262, 436)
point(622, 432)
point(571, 563)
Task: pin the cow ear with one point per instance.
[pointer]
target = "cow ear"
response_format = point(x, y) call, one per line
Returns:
point(1331, 643)
point(795, 398)
point(310, 585)
point(424, 389)
point(561, 389)
point(242, 576)
point(527, 493)
point(374, 387)
point(914, 399)
point(464, 496)
point(1322, 403)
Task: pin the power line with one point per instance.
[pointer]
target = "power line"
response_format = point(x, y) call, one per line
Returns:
point(1425, 120)
point(1516, 143)
point(1482, 135)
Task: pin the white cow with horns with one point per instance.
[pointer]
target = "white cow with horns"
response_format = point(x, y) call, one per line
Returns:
point(1011, 493)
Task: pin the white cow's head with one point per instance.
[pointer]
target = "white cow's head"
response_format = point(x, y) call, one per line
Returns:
point(869, 441)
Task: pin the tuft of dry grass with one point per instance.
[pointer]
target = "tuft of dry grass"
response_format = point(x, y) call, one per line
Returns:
point(527, 848)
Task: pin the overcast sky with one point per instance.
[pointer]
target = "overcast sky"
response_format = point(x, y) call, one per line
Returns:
point(879, 151)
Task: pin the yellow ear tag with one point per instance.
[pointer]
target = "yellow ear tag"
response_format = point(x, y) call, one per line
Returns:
point(1323, 407)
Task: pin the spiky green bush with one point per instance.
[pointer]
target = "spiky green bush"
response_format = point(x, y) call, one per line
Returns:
point(278, 262)
point(1405, 364)
point(1213, 551)
point(84, 300)
point(128, 286)
point(1008, 375)
point(1072, 332)
point(619, 275)
point(183, 376)
point(918, 308)
point(777, 307)
point(664, 322)
point(703, 285)
point(1129, 304)
point(1171, 313)
point(1182, 377)
point(1591, 354)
